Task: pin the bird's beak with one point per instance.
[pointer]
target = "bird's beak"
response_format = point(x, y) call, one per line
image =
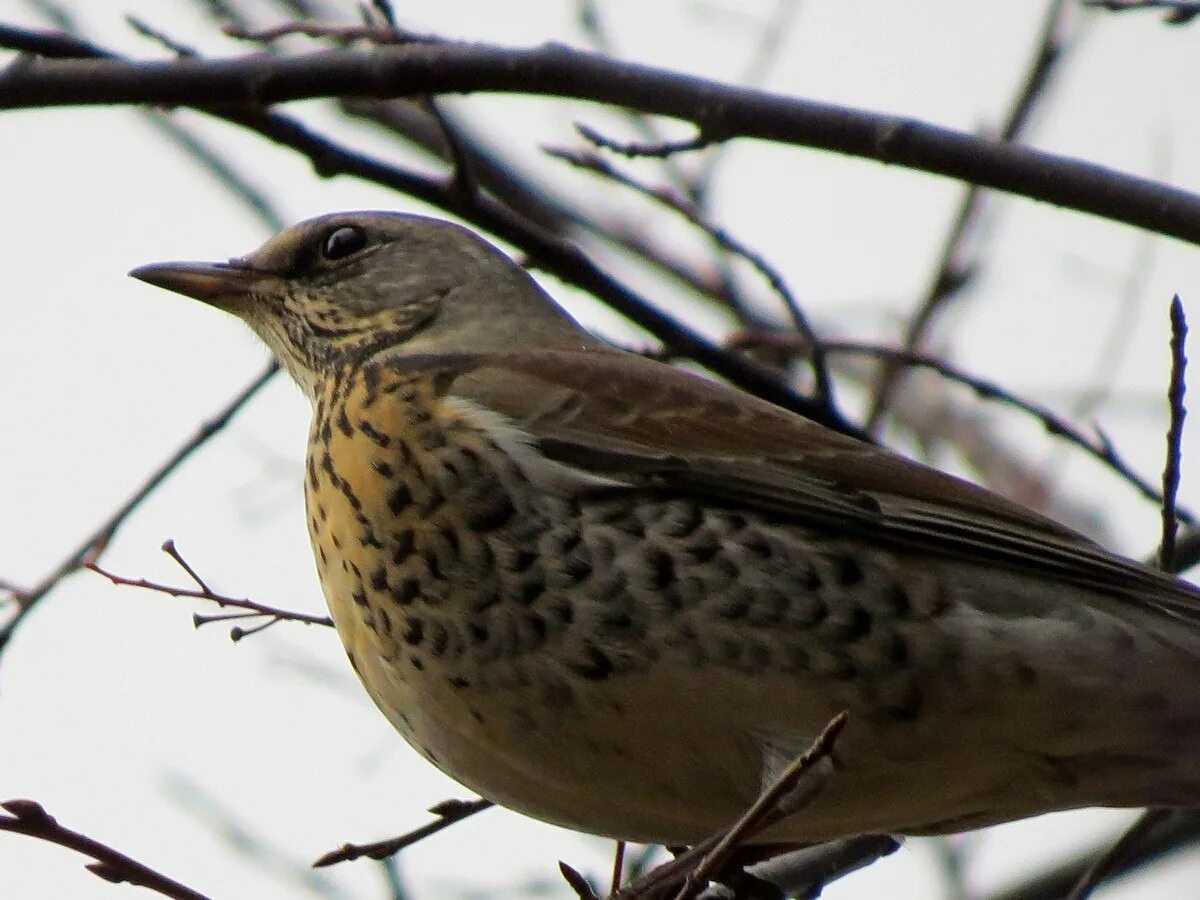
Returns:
point(221, 284)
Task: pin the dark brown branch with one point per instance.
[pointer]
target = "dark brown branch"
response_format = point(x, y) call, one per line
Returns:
point(29, 818)
point(448, 813)
point(94, 544)
point(558, 71)
point(252, 608)
point(1175, 394)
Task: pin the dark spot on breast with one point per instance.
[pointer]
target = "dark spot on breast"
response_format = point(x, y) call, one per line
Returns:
point(439, 638)
point(407, 591)
point(594, 666)
point(757, 546)
point(399, 499)
point(577, 568)
point(487, 597)
point(359, 598)
point(435, 499)
point(414, 631)
point(477, 715)
point(810, 579)
point(312, 472)
point(321, 553)
point(343, 423)
point(379, 579)
point(857, 626)
point(523, 560)
point(458, 682)
point(335, 540)
point(897, 598)
point(403, 549)
point(385, 620)
point(488, 513)
point(383, 468)
point(373, 434)
point(353, 663)
point(433, 564)
point(617, 620)
point(897, 651)
point(847, 570)
point(417, 663)
point(537, 627)
point(563, 611)
point(531, 590)
point(478, 632)
point(449, 535)
point(661, 568)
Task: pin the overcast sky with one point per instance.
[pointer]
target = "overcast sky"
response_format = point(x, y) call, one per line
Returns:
point(130, 726)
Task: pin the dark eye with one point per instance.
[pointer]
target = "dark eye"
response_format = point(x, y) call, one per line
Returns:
point(342, 241)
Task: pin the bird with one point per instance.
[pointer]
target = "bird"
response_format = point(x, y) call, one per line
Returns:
point(619, 596)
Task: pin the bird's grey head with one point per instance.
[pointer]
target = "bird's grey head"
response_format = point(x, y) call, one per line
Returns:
point(341, 287)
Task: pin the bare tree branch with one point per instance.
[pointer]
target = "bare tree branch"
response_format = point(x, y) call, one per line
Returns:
point(554, 70)
point(29, 818)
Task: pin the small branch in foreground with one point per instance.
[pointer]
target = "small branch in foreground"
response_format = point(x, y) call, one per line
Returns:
point(253, 609)
point(94, 544)
point(788, 795)
point(27, 817)
point(796, 787)
point(1175, 394)
point(448, 812)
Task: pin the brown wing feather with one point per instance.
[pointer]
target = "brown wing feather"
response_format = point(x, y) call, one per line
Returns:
point(654, 426)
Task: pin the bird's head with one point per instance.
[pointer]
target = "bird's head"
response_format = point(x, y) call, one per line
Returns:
point(342, 287)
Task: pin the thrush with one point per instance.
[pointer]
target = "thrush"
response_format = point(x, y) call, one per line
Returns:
point(619, 596)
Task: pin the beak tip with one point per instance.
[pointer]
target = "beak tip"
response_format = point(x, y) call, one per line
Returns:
point(211, 282)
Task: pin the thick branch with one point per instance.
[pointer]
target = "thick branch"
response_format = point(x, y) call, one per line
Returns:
point(719, 110)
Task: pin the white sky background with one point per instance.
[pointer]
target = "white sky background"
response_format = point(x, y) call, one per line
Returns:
point(130, 726)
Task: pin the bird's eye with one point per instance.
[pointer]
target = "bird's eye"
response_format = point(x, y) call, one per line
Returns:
point(342, 241)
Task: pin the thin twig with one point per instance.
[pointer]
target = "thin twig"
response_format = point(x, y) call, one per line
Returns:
point(777, 802)
point(1175, 395)
point(618, 869)
point(448, 813)
point(94, 544)
point(656, 150)
point(253, 609)
point(31, 819)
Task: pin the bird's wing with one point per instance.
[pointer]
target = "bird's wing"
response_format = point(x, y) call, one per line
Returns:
point(619, 419)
